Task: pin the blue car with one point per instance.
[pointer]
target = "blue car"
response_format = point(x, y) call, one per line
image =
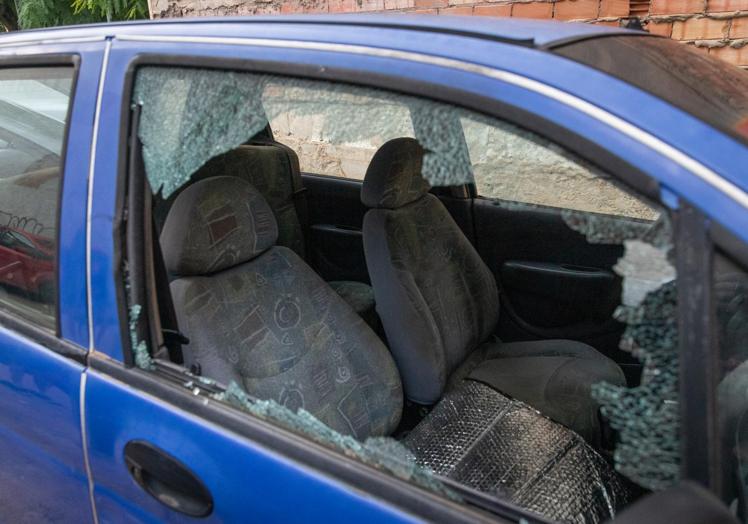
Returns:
point(371, 268)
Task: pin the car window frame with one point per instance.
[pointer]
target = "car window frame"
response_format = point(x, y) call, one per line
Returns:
point(165, 382)
point(49, 338)
point(698, 348)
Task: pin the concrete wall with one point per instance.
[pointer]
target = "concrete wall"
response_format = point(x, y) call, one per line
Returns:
point(717, 27)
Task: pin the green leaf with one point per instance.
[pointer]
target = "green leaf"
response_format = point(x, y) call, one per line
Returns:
point(48, 13)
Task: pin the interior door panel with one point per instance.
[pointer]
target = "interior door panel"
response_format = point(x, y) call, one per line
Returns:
point(338, 252)
point(553, 282)
point(336, 215)
point(562, 286)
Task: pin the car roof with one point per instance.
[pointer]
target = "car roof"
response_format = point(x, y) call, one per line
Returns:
point(530, 33)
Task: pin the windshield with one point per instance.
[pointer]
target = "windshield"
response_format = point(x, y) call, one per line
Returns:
point(709, 89)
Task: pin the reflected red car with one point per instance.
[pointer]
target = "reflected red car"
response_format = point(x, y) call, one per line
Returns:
point(26, 262)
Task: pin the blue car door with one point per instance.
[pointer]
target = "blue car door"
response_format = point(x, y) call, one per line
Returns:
point(46, 105)
point(161, 446)
point(160, 454)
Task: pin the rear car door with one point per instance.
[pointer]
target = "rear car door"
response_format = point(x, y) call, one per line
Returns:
point(46, 105)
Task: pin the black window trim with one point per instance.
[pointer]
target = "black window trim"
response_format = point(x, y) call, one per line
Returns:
point(393, 490)
point(697, 341)
point(50, 338)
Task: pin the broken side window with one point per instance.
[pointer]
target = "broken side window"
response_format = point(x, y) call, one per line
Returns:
point(528, 174)
point(524, 173)
point(190, 116)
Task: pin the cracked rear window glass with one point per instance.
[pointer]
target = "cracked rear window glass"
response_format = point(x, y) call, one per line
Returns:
point(273, 339)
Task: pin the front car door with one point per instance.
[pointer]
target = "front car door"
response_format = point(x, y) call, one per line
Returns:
point(240, 467)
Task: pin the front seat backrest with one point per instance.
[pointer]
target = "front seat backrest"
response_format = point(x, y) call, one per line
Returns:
point(256, 314)
point(437, 299)
point(273, 170)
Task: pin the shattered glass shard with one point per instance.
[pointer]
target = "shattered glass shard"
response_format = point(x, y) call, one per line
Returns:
point(140, 349)
point(604, 229)
point(192, 115)
point(644, 268)
point(646, 416)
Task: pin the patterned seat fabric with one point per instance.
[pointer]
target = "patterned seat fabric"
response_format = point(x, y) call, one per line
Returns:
point(273, 169)
point(439, 303)
point(256, 314)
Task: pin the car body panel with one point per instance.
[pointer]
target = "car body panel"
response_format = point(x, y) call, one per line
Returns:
point(529, 32)
point(43, 475)
point(247, 482)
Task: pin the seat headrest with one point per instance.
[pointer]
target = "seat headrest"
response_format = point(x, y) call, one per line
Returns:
point(215, 224)
point(393, 178)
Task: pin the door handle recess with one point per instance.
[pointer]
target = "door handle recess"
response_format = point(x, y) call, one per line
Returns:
point(167, 480)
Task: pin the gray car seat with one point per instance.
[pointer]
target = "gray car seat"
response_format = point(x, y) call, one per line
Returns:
point(256, 314)
point(439, 304)
point(273, 169)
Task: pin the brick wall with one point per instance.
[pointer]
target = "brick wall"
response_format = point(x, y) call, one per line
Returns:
point(717, 27)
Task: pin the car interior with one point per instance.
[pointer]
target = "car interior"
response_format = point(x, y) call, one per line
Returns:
point(469, 331)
